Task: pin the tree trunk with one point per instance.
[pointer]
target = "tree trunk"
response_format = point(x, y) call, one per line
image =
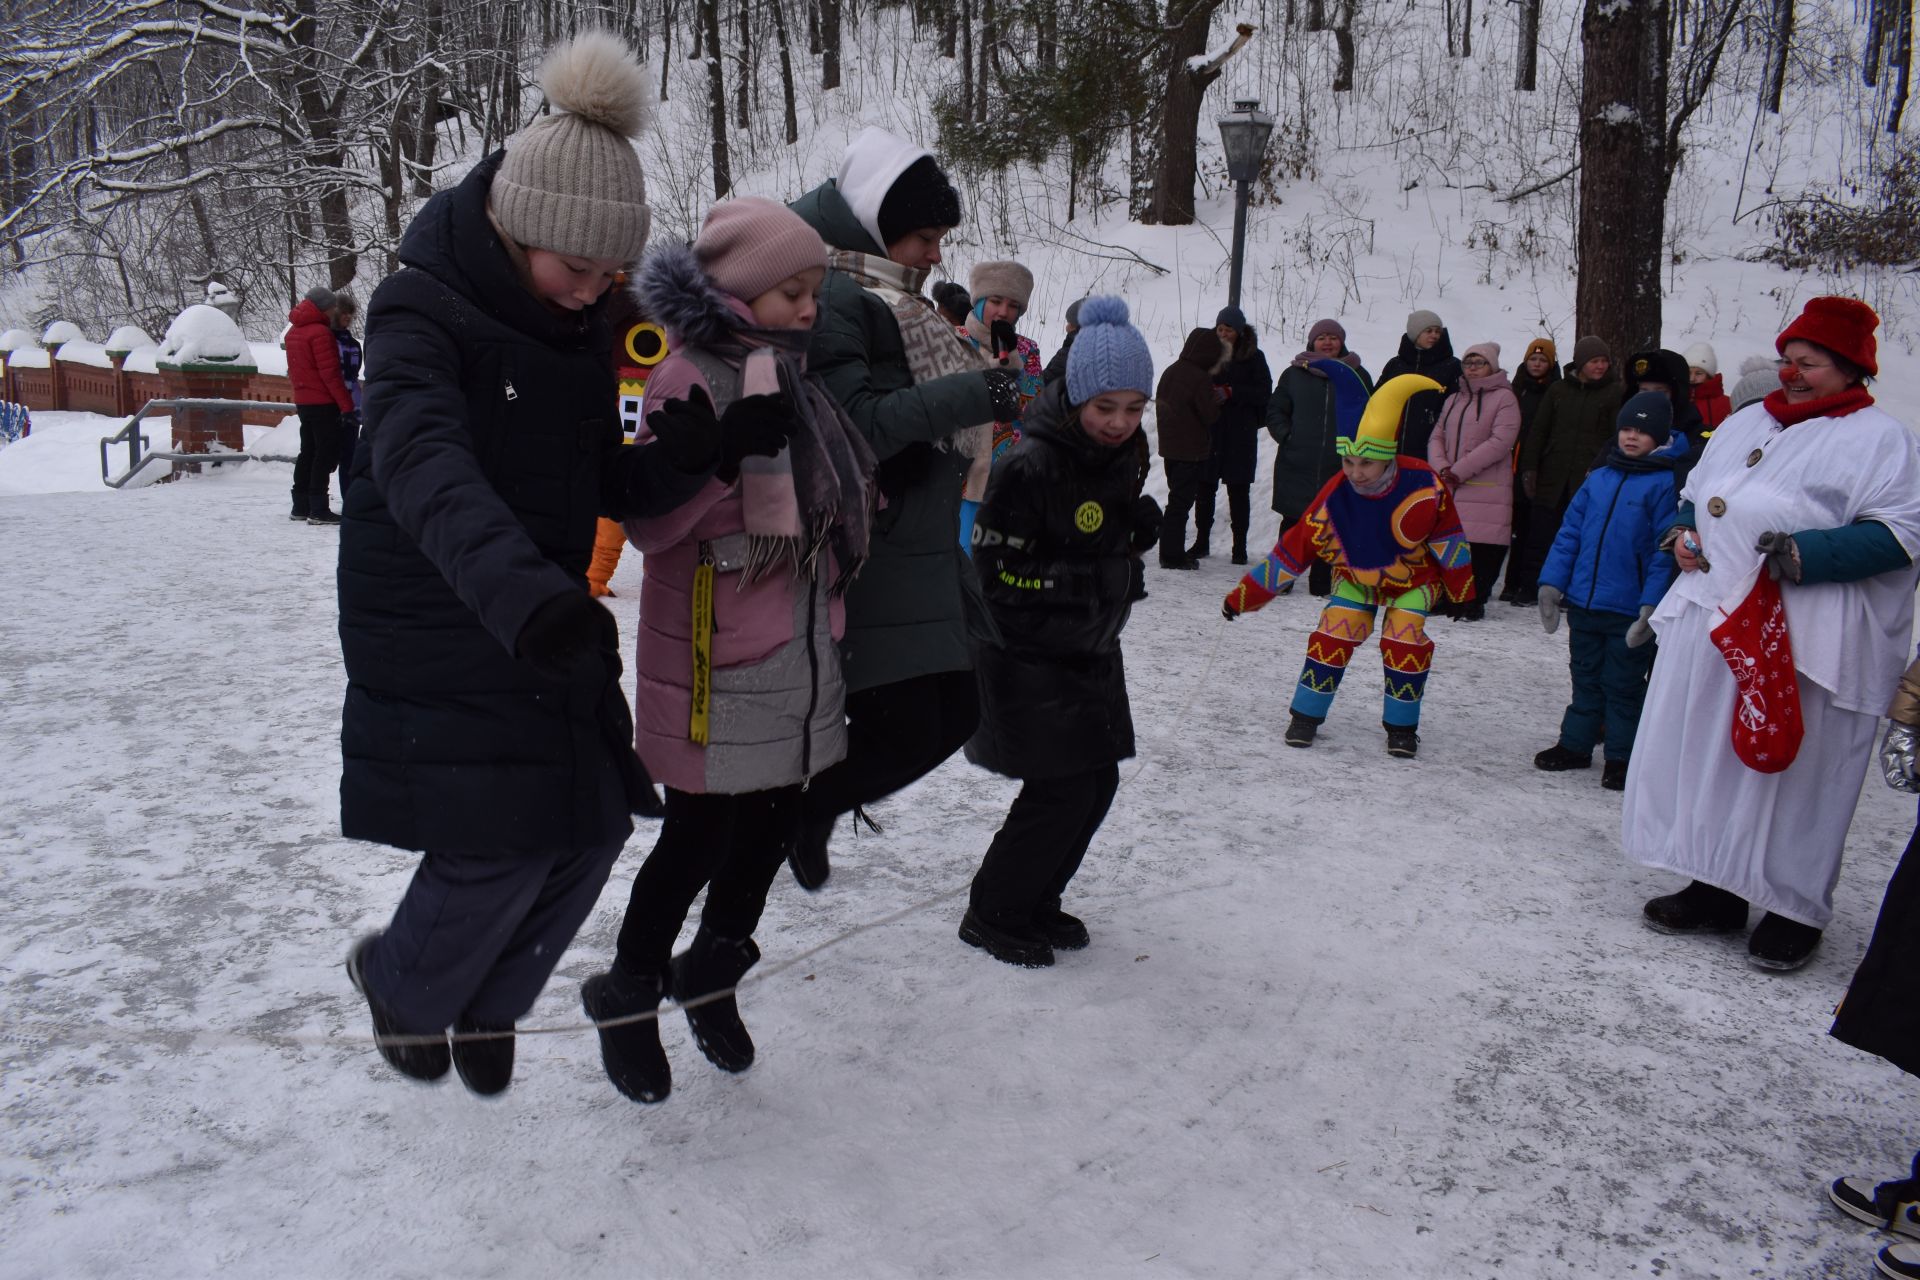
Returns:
point(1046, 31)
point(716, 98)
point(743, 77)
point(982, 80)
point(829, 44)
point(1623, 142)
point(1343, 45)
point(1188, 22)
point(1526, 63)
point(966, 59)
point(1466, 29)
point(1902, 61)
point(427, 131)
point(791, 114)
point(666, 47)
point(1774, 84)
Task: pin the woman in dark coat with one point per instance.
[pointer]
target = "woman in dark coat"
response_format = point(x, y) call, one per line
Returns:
point(1301, 420)
point(1881, 1012)
point(1538, 371)
point(484, 722)
point(924, 400)
point(1185, 411)
point(1425, 349)
point(1243, 386)
point(1059, 534)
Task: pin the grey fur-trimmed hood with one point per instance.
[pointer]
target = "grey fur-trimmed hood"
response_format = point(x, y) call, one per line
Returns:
point(676, 293)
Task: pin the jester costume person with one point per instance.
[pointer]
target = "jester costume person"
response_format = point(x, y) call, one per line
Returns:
point(1388, 528)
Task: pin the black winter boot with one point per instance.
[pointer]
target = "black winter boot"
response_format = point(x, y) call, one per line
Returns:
point(1240, 551)
point(630, 1052)
point(1063, 932)
point(1301, 728)
point(1027, 948)
point(1698, 908)
point(1613, 775)
point(302, 503)
point(808, 856)
point(1178, 560)
point(319, 510)
point(716, 964)
point(1403, 741)
point(1781, 944)
point(425, 1061)
point(1202, 547)
point(1557, 759)
point(485, 1066)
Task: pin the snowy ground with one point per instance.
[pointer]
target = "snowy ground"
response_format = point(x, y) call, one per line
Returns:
point(1343, 1016)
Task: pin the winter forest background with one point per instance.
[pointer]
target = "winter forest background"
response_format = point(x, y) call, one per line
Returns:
point(1421, 147)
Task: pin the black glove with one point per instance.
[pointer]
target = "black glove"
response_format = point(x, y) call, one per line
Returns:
point(1783, 555)
point(688, 431)
point(350, 420)
point(566, 629)
point(755, 426)
point(1003, 337)
point(1004, 388)
point(1145, 530)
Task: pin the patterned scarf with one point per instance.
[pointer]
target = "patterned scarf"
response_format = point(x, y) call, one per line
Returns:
point(816, 493)
point(934, 347)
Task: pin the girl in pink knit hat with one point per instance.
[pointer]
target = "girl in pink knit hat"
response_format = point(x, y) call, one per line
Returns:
point(739, 698)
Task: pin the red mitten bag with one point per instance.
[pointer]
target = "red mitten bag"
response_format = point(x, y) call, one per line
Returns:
point(1752, 637)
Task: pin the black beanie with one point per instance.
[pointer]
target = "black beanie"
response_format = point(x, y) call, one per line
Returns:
point(920, 197)
point(1649, 413)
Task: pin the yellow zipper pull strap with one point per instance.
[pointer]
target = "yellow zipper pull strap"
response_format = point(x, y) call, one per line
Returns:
point(702, 646)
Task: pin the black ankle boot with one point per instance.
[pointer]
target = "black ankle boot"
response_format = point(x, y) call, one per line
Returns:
point(1698, 908)
point(302, 503)
point(808, 856)
point(1781, 944)
point(427, 1060)
point(711, 964)
point(1201, 548)
point(320, 510)
point(631, 1051)
point(485, 1065)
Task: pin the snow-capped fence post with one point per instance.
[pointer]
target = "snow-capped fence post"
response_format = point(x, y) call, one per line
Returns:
point(57, 335)
point(205, 357)
point(121, 343)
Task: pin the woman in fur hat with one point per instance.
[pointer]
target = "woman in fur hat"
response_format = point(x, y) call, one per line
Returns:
point(1818, 490)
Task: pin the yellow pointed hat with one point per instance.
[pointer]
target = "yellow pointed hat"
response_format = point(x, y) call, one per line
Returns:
point(1378, 435)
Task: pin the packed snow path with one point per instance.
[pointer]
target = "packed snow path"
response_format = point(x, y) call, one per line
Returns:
point(1343, 1016)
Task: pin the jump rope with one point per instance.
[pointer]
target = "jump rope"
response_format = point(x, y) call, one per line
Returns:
point(44, 1033)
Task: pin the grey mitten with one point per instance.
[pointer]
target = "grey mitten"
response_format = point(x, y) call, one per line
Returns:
point(1550, 598)
point(1783, 557)
point(1898, 751)
point(1641, 631)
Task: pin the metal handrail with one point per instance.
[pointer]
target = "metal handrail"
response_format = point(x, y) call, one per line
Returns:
point(136, 442)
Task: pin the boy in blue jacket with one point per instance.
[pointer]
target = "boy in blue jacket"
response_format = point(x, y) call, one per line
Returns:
point(1606, 570)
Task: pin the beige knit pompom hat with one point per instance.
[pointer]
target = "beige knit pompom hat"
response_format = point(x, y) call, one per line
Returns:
point(571, 182)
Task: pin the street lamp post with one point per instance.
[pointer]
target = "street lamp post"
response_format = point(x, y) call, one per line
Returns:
point(1243, 133)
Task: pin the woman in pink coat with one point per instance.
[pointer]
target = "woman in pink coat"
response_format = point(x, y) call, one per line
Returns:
point(1472, 450)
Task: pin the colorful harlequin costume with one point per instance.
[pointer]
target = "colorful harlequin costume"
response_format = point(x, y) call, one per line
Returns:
point(1399, 547)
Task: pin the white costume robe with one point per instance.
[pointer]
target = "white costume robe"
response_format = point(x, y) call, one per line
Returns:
point(1692, 807)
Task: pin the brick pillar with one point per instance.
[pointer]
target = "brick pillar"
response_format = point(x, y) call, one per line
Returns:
point(203, 430)
point(53, 376)
point(122, 388)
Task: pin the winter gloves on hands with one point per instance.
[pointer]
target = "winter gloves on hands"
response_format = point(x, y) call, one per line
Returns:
point(696, 440)
point(1004, 389)
point(1145, 535)
point(567, 628)
point(1001, 335)
point(1900, 757)
point(1783, 556)
point(1641, 631)
point(1550, 603)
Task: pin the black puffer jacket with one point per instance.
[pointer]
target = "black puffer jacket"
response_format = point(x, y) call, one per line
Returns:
point(491, 445)
point(1236, 436)
point(1423, 407)
point(1051, 546)
point(1300, 419)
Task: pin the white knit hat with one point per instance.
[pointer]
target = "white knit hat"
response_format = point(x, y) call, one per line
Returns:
point(1700, 356)
point(571, 183)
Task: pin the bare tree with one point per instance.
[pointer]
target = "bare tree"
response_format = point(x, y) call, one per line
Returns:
point(709, 18)
point(1526, 63)
point(1186, 72)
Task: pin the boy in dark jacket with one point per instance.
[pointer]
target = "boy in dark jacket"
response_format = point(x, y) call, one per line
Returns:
point(484, 722)
point(1056, 543)
point(1607, 572)
point(1185, 409)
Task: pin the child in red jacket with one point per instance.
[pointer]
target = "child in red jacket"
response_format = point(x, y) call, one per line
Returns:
point(320, 397)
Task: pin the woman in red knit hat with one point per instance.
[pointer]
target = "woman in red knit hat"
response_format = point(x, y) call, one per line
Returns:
point(1761, 713)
